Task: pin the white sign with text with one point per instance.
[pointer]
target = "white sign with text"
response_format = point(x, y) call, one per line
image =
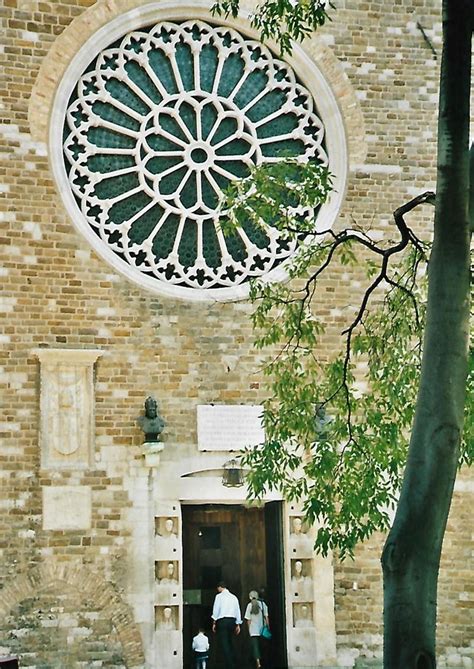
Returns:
point(225, 427)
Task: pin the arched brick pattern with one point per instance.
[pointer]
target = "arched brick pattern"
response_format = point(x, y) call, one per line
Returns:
point(85, 585)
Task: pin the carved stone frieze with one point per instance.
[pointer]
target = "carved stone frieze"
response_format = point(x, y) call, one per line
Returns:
point(67, 407)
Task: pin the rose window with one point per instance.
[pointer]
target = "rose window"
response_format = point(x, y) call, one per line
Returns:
point(157, 127)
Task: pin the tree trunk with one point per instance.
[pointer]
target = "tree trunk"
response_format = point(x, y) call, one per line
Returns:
point(412, 552)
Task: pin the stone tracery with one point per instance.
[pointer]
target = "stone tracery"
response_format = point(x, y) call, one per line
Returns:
point(159, 125)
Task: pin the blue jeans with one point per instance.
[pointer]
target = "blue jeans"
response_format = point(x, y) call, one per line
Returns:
point(201, 660)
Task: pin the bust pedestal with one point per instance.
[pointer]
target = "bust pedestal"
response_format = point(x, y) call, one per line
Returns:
point(151, 450)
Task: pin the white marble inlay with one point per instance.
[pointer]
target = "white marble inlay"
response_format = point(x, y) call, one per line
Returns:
point(223, 427)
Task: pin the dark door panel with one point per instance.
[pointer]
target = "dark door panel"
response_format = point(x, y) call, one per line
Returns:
point(230, 543)
point(275, 595)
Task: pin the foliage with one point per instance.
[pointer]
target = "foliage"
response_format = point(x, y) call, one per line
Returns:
point(284, 194)
point(467, 446)
point(336, 430)
point(281, 20)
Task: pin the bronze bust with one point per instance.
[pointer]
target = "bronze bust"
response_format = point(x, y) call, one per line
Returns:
point(151, 423)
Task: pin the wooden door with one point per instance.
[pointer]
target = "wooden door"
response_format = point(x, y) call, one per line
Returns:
point(275, 651)
point(220, 542)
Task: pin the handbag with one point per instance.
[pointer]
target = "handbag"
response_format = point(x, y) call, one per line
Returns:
point(266, 632)
point(265, 629)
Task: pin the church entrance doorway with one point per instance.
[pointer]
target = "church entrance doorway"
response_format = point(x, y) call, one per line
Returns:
point(243, 547)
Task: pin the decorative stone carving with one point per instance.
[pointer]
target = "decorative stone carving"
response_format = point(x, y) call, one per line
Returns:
point(166, 618)
point(310, 606)
point(67, 407)
point(303, 615)
point(167, 575)
point(157, 126)
point(168, 533)
point(167, 543)
point(300, 543)
point(297, 527)
point(322, 422)
point(167, 586)
point(301, 581)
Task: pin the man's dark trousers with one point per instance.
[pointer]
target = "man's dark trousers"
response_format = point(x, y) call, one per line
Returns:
point(225, 630)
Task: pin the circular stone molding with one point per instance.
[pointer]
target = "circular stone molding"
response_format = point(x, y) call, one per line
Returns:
point(155, 127)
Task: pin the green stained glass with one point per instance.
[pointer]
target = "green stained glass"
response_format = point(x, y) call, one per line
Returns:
point(125, 210)
point(283, 124)
point(270, 103)
point(209, 194)
point(108, 112)
point(126, 96)
point(105, 138)
point(162, 164)
point(111, 188)
point(160, 143)
point(187, 251)
point(143, 227)
point(236, 247)
point(170, 183)
point(209, 118)
point(189, 197)
point(172, 127)
point(107, 163)
point(221, 180)
point(254, 84)
point(212, 252)
point(185, 63)
point(161, 66)
point(143, 81)
point(232, 72)
point(283, 148)
point(235, 147)
point(187, 113)
point(164, 242)
point(227, 128)
point(208, 66)
point(256, 235)
point(237, 169)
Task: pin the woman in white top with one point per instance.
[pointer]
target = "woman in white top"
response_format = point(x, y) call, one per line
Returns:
point(256, 615)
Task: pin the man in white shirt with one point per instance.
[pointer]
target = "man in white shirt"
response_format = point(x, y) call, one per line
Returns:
point(226, 621)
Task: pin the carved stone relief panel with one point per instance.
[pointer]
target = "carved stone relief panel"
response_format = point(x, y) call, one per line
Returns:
point(67, 407)
point(303, 615)
point(167, 540)
point(167, 581)
point(310, 600)
point(166, 618)
point(168, 593)
point(301, 539)
point(301, 580)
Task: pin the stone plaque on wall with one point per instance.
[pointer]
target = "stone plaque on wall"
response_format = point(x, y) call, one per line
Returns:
point(67, 407)
point(67, 508)
point(223, 427)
